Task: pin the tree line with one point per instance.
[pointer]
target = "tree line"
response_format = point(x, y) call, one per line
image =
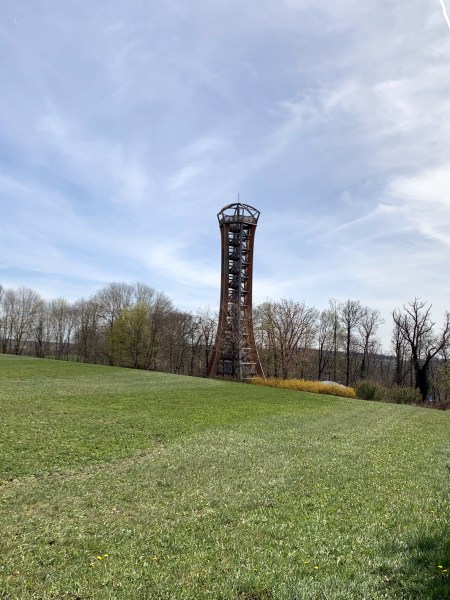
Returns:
point(133, 325)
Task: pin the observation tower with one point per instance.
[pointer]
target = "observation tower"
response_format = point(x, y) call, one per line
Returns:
point(234, 354)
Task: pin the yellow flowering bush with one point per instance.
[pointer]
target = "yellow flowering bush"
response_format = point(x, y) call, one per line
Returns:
point(315, 387)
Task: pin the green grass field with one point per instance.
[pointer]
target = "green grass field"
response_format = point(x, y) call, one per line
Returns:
point(129, 484)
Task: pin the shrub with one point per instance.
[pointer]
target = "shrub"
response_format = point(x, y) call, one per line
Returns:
point(403, 395)
point(315, 387)
point(369, 390)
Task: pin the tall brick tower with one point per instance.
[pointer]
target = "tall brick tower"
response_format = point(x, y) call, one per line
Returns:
point(234, 354)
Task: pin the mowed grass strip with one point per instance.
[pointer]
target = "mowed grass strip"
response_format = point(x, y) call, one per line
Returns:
point(127, 484)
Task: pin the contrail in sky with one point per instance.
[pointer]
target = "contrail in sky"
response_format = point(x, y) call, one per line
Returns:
point(444, 10)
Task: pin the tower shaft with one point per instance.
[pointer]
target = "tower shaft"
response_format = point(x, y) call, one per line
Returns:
point(234, 354)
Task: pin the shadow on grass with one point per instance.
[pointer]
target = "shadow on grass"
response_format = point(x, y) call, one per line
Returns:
point(421, 571)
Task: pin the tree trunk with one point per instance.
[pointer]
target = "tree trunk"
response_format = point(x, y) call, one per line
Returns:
point(422, 381)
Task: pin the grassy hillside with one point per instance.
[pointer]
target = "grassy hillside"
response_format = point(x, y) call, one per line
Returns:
point(128, 484)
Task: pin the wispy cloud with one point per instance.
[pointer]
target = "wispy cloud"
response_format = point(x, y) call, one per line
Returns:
point(93, 160)
point(425, 203)
point(331, 118)
point(444, 12)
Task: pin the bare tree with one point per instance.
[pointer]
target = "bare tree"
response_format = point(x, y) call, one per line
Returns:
point(367, 328)
point(326, 336)
point(41, 332)
point(402, 359)
point(195, 346)
point(143, 293)
point(417, 329)
point(350, 313)
point(178, 332)
point(6, 306)
point(161, 308)
point(112, 299)
point(208, 325)
point(2, 316)
point(442, 382)
point(290, 329)
point(62, 323)
point(266, 338)
point(24, 306)
point(334, 310)
point(87, 334)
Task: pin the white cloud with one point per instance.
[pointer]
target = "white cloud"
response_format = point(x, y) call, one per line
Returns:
point(331, 118)
point(444, 12)
point(183, 177)
point(172, 260)
point(94, 160)
point(426, 203)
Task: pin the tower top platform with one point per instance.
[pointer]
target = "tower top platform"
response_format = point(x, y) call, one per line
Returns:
point(238, 213)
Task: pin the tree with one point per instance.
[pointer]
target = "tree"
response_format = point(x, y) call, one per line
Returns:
point(62, 322)
point(417, 329)
point(402, 362)
point(289, 329)
point(326, 331)
point(112, 299)
point(143, 293)
point(23, 308)
point(265, 339)
point(161, 308)
point(6, 304)
point(179, 339)
point(350, 313)
point(87, 334)
point(367, 327)
point(208, 326)
point(129, 337)
point(442, 382)
point(337, 334)
point(41, 333)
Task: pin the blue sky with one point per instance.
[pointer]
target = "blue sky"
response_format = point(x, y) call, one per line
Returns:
point(126, 126)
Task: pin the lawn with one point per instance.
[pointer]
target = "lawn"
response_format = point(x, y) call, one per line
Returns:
point(118, 483)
